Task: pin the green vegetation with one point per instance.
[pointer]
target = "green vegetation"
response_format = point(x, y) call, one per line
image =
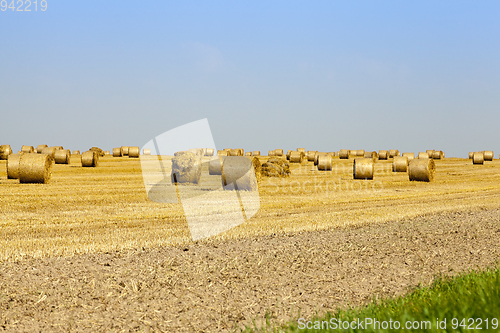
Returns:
point(468, 302)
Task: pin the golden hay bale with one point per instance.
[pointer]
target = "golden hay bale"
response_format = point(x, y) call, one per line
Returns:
point(423, 155)
point(234, 152)
point(197, 151)
point(248, 153)
point(145, 151)
point(62, 156)
point(134, 152)
point(215, 165)
point(256, 153)
point(209, 152)
point(75, 152)
point(393, 152)
point(353, 153)
point(400, 164)
point(478, 158)
point(288, 155)
point(257, 168)
point(35, 168)
point(409, 156)
point(310, 155)
point(90, 159)
point(39, 148)
point(106, 152)
point(13, 166)
point(5, 151)
point(98, 150)
point(360, 153)
point(227, 149)
point(325, 162)
point(488, 155)
point(222, 153)
point(471, 154)
point(27, 149)
point(371, 154)
point(316, 156)
point(383, 154)
point(117, 152)
point(271, 153)
point(363, 168)
point(301, 150)
point(238, 173)
point(436, 154)
point(58, 147)
point(430, 152)
point(422, 170)
point(297, 157)
point(124, 150)
point(275, 167)
point(49, 151)
point(186, 167)
point(278, 152)
point(344, 154)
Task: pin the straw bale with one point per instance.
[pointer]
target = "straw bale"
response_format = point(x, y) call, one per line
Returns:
point(422, 170)
point(363, 168)
point(35, 168)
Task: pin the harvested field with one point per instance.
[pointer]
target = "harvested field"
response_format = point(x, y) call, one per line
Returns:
point(91, 251)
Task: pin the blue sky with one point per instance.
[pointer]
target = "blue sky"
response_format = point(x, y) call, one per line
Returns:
point(322, 75)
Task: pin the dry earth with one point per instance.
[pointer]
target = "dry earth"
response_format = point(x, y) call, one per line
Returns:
point(219, 286)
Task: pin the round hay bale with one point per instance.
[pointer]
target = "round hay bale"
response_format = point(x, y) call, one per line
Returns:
point(98, 150)
point(471, 154)
point(27, 149)
point(209, 152)
point(360, 153)
point(363, 168)
point(124, 150)
point(234, 152)
point(197, 151)
point(62, 156)
point(35, 168)
point(275, 167)
point(371, 154)
point(222, 153)
point(423, 155)
point(145, 151)
point(39, 148)
point(271, 153)
point(13, 166)
point(478, 158)
point(344, 154)
point(297, 157)
point(430, 152)
point(106, 152)
point(49, 151)
point(133, 152)
point(238, 173)
point(301, 150)
point(393, 152)
point(436, 155)
point(117, 152)
point(256, 153)
point(90, 159)
point(409, 156)
point(488, 155)
point(278, 152)
point(383, 154)
point(421, 170)
point(257, 168)
point(186, 168)
point(215, 165)
point(58, 147)
point(325, 162)
point(75, 152)
point(288, 155)
point(316, 156)
point(5, 151)
point(400, 164)
point(248, 153)
point(310, 155)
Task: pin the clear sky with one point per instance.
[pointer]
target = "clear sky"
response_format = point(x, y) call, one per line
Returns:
point(324, 75)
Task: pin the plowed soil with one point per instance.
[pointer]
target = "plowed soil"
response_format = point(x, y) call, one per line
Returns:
point(224, 285)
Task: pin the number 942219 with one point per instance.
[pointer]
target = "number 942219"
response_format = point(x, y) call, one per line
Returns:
point(23, 6)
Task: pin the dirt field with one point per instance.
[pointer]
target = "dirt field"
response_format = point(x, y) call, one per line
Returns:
point(215, 287)
point(90, 252)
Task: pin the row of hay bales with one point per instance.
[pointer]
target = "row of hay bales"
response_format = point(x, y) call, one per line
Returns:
point(32, 165)
point(233, 169)
point(479, 157)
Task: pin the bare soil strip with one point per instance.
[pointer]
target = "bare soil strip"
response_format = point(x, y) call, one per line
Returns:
point(213, 287)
